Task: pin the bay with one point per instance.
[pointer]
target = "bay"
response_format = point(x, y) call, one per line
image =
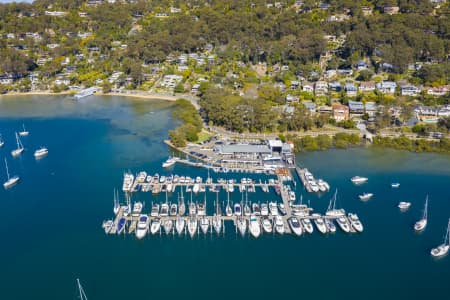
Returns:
point(51, 221)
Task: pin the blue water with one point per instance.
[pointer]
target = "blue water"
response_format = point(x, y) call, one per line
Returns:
point(52, 233)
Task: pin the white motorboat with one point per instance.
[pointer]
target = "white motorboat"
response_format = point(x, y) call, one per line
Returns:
point(254, 227)
point(164, 210)
point(256, 209)
point(141, 177)
point(155, 225)
point(365, 196)
point(237, 209)
point(279, 224)
point(264, 209)
point(242, 225)
point(116, 202)
point(314, 186)
point(201, 209)
point(291, 196)
point(282, 209)
point(121, 224)
point(355, 222)
point(170, 162)
point(404, 205)
point(230, 187)
point(168, 225)
point(323, 185)
point(343, 223)
point(24, 132)
point(442, 249)
point(128, 180)
point(20, 149)
point(204, 224)
point(192, 226)
point(40, 153)
point(179, 224)
point(228, 209)
point(273, 208)
point(295, 225)
point(267, 225)
point(196, 188)
point(359, 179)
point(169, 188)
point(422, 223)
point(155, 210)
point(137, 209)
point(192, 209)
point(108, 225)
point(142, 227)
point(330, 225)
point(320, 224)
point(395, 185)
point(307, 225)
point(173, 209)
point(11, 181)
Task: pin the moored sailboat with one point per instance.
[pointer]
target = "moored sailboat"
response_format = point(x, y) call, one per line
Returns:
point(11, 181)
point(422, 223)
point(442, 249)
point(20, 149)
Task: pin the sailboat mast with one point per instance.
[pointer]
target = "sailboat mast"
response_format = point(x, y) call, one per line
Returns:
point(7, 171)
point(80, 289)
point(425, 212)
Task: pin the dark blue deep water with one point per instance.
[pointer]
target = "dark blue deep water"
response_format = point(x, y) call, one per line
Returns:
point(51, 222)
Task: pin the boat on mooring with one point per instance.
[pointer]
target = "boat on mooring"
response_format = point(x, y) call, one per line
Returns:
point(365, 196)
point(11, 181)
point(442, 249)
point(422, 223)
point(359, 179)
point(404, 205)
point(395, 185)
point(20, 149)
point(24, 132)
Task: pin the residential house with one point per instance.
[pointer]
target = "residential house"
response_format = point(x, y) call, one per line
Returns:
point(361, 65)
point(387, 87)
point(308, 87)
point(391, 10)
point(321, 88)
point(292, 99)
point(356, 108)
point(175, 10)
point(6, 79)
point(340, 112)
point(295, 84)
point(444, 112)
point(351, 89)
point(427, 114)
point(325, 109)
point(55, 13)
point(366, 10)
point(409, 90)
point(347, 72)
point(311, 106)
point(367, 86)
point(62, 81)
point(438, 91)
point(371, 109)
point(335, 86)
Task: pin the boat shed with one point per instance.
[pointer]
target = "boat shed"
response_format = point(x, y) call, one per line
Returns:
point(275, 145)
point(243, 149)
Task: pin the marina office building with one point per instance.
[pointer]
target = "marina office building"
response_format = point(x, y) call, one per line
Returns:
point(267, 155)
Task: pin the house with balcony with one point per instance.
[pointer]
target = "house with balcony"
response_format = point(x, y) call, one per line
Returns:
point(321, 88)
point(367, 86)
point(340, 112)
point(387, 87)
point(351, 89)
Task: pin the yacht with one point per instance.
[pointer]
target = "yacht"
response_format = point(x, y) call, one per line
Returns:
point(330, 225)
point(170, 162)
point(204, 224)
point(217, 223)
point(192, 209)
point(230, 187)
point(365, 196)
point(168, 225)
point(162, 179)
point(359, 180)
point(155, 210)
point(121, 225)
point(295, 226)
point(24, 132)
point(267, 225)
point(108, 225)
point(201, 209)
point(237, 209)
point(164, 210)
point(142, 227)
point(279, 224)
point(323, 185)
point(343, 223)
point(173, 209)
point(179, 224)
point(395, 185)
point(256, 210)
point(264, 209)
point(40, 153)
point(355, 222)
point(307, 225)
point(116, 202)
point(291, 196)
point(242, 225)
point(192, 226)
point(169, 188)
point(282, 209)
point(442, 249)
point(254, 227)
point(128, 180)
point(320, 224)
point(11, 181)
point(141, 177)
point(273, 208)
point(137, 209)
point(422, 223)
point(314, 186)
point(20, 149)
point(404, 205)
point(155, 225)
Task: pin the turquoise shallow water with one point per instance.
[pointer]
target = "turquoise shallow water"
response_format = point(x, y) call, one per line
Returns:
point(51, 231)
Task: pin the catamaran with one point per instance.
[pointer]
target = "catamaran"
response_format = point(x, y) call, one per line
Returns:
point(40, 153)
point(19, 150)
point(11, 180)
point(422, 223)
point(442, 249)
point(24, 132)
